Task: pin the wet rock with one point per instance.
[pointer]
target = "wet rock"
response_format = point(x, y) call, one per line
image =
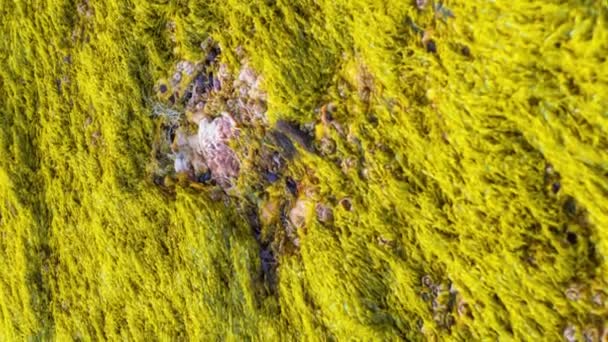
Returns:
point(223, 163)
point(291, 186)
point(259, 109)
point(277, 161)
point(217, 84)
point(271, 177)
point(247, 76)
point(254, 222)
point(212, 143)
point(248, 84)
point(187, 96)
point(211, 78)
point(180, 139)
point(181, 164)
point(287, 147)
point(202, 84)
point(205, 177)
point(217, 131)
point(212, 55)
point(186, 67)
point(269, 264)
point(296, 134)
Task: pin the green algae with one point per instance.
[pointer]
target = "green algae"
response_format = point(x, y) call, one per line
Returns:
point(449, 177)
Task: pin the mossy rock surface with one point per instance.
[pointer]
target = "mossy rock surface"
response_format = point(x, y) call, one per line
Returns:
point(458, 190)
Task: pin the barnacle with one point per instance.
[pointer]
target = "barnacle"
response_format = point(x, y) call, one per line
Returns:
point(427, 281)
point(570, 333)
point(574, 292)
point(324, 213)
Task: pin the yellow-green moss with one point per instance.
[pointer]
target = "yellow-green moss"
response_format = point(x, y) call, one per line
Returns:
point(454, 145)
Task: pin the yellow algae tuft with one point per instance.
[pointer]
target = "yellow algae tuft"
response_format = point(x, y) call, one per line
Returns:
point(463, 143)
